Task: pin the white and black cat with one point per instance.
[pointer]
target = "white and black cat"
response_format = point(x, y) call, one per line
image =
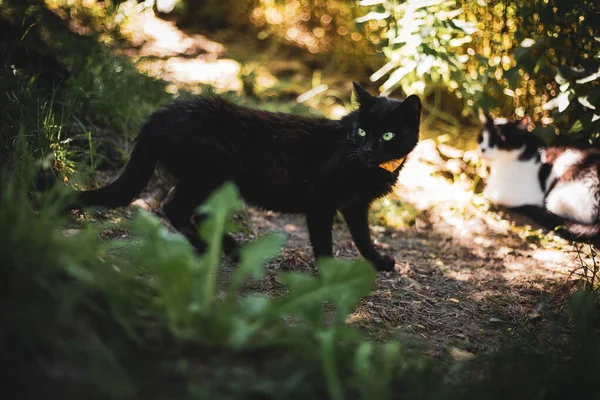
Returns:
point(281, 162)
point(558, 186)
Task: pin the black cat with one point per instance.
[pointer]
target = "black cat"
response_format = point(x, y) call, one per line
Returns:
point(280, 162)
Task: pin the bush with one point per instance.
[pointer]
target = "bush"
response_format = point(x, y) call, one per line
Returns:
point(539, 58)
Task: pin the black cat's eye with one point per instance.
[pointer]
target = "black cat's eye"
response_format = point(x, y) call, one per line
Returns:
point(388, 136)
point(361, 132)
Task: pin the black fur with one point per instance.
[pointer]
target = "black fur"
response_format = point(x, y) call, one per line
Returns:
point(281, 162)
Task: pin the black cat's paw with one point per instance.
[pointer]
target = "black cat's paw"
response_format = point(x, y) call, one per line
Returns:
point(384, 263)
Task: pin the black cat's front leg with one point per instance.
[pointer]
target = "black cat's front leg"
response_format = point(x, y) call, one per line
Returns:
point(356, 216)
point(320, 223)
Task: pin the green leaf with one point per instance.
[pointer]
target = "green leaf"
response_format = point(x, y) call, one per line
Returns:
point(391, 352)
point(547, 133)
point(225, 199)
point(583, 100)
point(425, 65)
point(512, 77)
point(561, 102)
point(329, 362)
point(362, 362)
point(366, 3)
point(568, 73)
point(255, 305)
point(253, 257)
point(219, 207)
point(593, 97)
point(255, 254)
point(171, 260)
point(341, 282)
point(576, 127)
point(241, 332)
point(468, 28)
point(589, 78)
point(377, 75)
point(525, 49)
point(255, 311)
point(373, 15)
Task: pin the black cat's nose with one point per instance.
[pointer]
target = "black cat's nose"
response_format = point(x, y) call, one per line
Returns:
point(366, 153)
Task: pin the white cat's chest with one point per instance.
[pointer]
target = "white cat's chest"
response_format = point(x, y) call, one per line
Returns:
point(514, 183)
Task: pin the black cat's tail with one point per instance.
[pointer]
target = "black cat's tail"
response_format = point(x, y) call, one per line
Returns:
point(130, 183)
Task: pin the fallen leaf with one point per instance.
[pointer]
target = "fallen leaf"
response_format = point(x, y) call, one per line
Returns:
point(418, 287)
point(533, 315)
point(460, 354)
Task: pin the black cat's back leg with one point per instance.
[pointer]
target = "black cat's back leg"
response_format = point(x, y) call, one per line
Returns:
point(231, 246)
point(320, 223)
point(179, 210)
point(356, 216)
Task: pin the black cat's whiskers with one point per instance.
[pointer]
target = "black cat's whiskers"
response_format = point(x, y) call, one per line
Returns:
point(351, 153)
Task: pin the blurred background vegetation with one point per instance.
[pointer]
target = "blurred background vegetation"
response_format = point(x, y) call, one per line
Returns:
point(89, 318)
point(540, 58)
point(511, 57)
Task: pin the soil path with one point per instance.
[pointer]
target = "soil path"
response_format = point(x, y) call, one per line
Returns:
point(466, 277)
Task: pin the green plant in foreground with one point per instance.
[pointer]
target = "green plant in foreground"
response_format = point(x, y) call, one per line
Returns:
point(80, 322)
point(64, 292)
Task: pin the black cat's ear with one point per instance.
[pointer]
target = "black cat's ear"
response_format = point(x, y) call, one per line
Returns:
point(362, 96)
point(524, 123)
point(412, 103)
point(411, 109)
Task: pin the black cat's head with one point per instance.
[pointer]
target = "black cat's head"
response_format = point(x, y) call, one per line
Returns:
point(385, 129)
point(502, 140)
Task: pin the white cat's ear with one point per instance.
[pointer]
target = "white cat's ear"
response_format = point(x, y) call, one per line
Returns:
point(484, 118)
point(524, 122)
point(363, 97)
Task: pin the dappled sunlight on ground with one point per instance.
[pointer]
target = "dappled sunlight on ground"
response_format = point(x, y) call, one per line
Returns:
point(160, 38)
point(466, 277)
point(190, 60)
point(494, 269)
point(173, 55)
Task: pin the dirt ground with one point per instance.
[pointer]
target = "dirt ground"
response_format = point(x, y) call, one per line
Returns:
point(467, 278)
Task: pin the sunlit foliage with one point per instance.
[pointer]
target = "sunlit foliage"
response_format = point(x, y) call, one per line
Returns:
point(515, 57)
